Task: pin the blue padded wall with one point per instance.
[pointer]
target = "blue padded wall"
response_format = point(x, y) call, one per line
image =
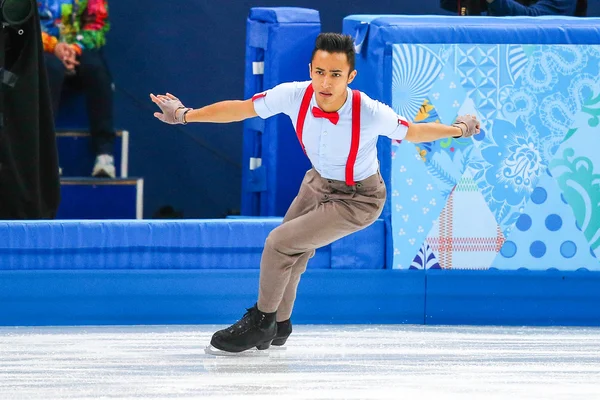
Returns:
point(282, 40)
point(182, 244)
point(158, 272)
point(189, 271)
point(515, 204)
point(213, 296)
point(513, 297)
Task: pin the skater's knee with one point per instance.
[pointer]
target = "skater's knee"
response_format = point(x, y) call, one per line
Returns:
point(273, 241)
point(279, 241)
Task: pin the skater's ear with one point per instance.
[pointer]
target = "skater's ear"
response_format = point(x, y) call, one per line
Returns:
point(351, 76)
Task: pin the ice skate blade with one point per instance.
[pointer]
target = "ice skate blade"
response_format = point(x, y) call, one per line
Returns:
point(253, 352)
point(278, 352)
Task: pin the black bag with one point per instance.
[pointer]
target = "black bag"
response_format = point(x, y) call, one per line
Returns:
point(29, 181)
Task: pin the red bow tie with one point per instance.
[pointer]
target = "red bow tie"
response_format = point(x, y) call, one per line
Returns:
point(333, 117)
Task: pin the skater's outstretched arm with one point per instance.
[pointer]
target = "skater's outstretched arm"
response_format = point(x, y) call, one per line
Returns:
point(465, 126)
point(174, 112)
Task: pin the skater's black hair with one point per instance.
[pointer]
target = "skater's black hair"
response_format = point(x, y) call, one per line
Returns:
point(336, 43)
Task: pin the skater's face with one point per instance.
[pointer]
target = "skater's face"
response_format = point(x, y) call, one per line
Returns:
point(330, 74)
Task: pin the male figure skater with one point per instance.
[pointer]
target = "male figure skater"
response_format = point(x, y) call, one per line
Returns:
point(342, 193)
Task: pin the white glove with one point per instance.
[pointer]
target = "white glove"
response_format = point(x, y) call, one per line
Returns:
point(169, 105)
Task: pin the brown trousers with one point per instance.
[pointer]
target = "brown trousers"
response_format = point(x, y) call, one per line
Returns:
point(323, 211)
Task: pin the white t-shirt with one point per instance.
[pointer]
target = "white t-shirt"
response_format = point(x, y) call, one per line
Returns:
point(328, 145)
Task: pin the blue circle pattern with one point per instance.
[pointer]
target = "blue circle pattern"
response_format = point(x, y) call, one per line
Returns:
point(539, 195)
point(509, 249)
point(568, 249)
point(524, 222)
point(537, 249)
point(553, 222)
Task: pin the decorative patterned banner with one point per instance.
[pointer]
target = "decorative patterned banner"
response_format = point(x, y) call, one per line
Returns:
point(530, 99)
point(576, 168)
point(415, 69)
point(546, 235)
point(416, 203)
point(466, 235)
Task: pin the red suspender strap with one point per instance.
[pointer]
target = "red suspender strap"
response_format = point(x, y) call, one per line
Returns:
point(355, 129)
point(302, 114)
point(355, 138)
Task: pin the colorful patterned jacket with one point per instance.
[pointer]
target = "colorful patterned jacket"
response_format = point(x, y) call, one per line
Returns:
point(81, 23)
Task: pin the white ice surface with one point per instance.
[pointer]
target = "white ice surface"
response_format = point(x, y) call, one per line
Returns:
point(319, 362)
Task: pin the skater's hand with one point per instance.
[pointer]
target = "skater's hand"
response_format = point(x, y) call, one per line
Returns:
point(172, 109)
point(468, 124)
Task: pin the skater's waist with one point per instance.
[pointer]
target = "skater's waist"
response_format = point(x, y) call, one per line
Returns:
point(372, 181)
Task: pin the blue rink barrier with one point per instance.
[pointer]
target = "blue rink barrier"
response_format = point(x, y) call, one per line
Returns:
point(125, 297)
point(513, 297)
point(183, 244)
point(195, 272)
point(188, 271)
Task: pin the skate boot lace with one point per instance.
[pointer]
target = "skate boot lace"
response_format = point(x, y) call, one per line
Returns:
point(248, 321)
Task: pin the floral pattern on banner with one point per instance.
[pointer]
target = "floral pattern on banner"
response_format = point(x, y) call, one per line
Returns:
point(529, 98)
point(576, 168)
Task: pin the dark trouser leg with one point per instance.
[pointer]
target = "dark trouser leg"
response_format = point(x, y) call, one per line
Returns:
point(56, 78)
point(97, 86)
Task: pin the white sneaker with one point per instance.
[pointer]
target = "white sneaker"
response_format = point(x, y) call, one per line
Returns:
point(104, 166)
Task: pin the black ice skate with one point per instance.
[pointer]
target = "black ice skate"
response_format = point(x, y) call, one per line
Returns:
point(284, 330)
point(255, 329)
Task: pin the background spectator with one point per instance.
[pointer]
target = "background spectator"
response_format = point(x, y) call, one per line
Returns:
point(502, 8)
point(74, 33)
